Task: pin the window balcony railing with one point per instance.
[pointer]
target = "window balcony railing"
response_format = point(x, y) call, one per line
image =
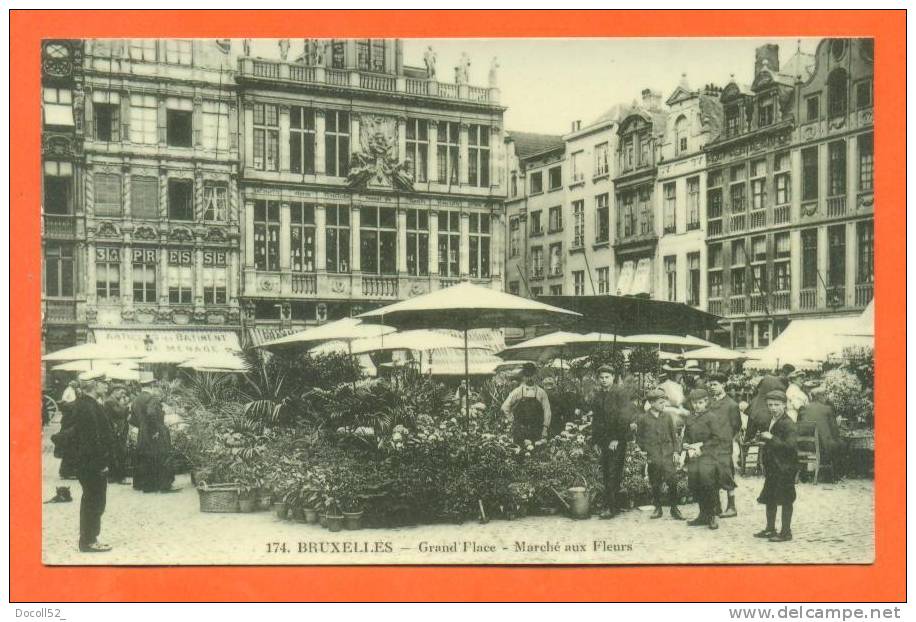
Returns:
point(59, 226)
point(781, 214)
point(301, 73)
point(380, 286)
point(758, 303)
point(738, 222)
point(780, 301)
point(60, 311)
point(266, 69)
point(714, 227)
point(537, 273)
point(836, 296)
point(808, 298)
point(376, 82)
point(736, 305)
point(337, 77)
point(864, 293)
point(716, 306)
point(304, 284)
point(836, 206)
point(758, 219)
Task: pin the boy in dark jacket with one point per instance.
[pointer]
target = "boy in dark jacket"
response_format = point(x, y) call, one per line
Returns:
point(613, 420)
point(780, 460)
point(657, 436)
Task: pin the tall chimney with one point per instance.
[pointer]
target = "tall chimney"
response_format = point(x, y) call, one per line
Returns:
point(768, 52)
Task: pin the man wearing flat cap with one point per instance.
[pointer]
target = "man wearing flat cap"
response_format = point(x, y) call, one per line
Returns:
point(728, 418)
point(796, 397)
point(529, 407)
point(780, 462)
point(613, 419)
point(657, 435)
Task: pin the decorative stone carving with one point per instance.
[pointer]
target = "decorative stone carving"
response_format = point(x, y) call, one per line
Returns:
point(145, 232)
point(92, 314)
point(417, 289)
point(266, 285)
point(164, 314)
point(463, 69)
point(249, 310)
point(59, 145)
point(838, 123)
point(215, 234)
point(284, 48)
point(338, 286)
point(107, 229)
point(429, 59)
point(866, 200)
point(493, 77)
point(377, 162)
point(234, 315)
point(181, 234)
point(128, 314)
point(200, 315)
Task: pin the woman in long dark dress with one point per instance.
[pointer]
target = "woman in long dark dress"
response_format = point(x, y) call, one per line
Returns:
point(154, 447)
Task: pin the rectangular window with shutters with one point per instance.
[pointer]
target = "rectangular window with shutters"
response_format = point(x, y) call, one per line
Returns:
point(418, 242)
point(537, 262)
point(809, 174)
point(107, 194)
point(601, 159)
point(577, 166)
point(783, 183)
point(337, 238)
point(479, 246)
point(181, 199)
point(578, 223)
point(865, 252)
point(179, 123)
point(645, 210)
point(813, 107)
point(302, 140)
point(758, 194)
point(782, 276)
point(514, 236)
point(738, 196)
point(449, 234)
point(108, 274)
point(58, 179)
point(738, 267)
point(714, 203)
point(555, 178)
point(302, 237)
point(604, 280)
point(556, 259)
point(447, 152)
point(670, 205)
point(836, 256)
point(693, 203)
point(215, 125)
point(418, 148)
point(556, 290)
point(602, 218)
point(216, 203)
point(693, 279)
point(579, 282)
point(535, 223)
point(866, 162)
point(143, 124)
point(143, 50)
point(266, 137)
point(215, 285)
point(809, 276)
point(671, 277)
point(267, 235)
point(144, 197)
point(106, 120)
point(181, 284)
point(58, 270)
point(759, 248)
point(864, 92)
point(837, 158)
point(479, 155)
point(554, 219)
point(378, 240)
point(715, 284)
point(627, 223)
point(144, 274)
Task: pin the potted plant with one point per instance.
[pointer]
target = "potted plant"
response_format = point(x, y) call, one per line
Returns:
point(311, 495)
point(333, 516)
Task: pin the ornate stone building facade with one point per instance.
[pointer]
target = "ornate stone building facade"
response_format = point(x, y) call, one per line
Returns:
point(62, 225)
point(363, 181)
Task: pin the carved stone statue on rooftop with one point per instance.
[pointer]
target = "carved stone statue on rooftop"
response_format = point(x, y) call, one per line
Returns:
point(246, 47)
point(284, 48)
point(429, 59)
point(494, 69)
point(463, 69)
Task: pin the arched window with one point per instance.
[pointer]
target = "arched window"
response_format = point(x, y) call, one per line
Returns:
point(837, 93)
point(680, 135)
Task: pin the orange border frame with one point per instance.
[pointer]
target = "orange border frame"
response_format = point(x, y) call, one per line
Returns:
point(31, 581)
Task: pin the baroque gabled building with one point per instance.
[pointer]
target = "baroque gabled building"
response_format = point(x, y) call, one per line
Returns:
point(364, 180)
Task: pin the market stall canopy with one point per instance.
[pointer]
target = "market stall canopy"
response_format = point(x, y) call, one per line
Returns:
point(421, 340)
point(864, 326)
point(217, 362)
point(628, 315)
point(806, 343)
point(546, 346)
point(169, 345)
point(162, 358)
point(465, 306)
point(347, 329)
point(718, 353)
point(87, 365)
point(87, 352)
point(662, 341)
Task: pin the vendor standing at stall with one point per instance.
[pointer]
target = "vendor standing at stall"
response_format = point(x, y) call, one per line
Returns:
point(529, 407)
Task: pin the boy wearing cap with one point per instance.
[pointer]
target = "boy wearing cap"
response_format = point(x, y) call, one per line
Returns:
point(657, 436)
point(728, 418)
point(780, 461)
point(613, 419)
point(529, 406)
point(702, 438)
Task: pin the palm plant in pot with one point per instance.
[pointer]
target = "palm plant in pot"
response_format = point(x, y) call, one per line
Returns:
point(311, 495)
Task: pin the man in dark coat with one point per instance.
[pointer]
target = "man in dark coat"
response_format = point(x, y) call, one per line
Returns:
point(758, 416)
point(657, 436)
point(613, 419)
point(116, 409)
point(780, 462)
point(93, 445)
point(726, 414)
point(138, 420)
point(821, 414)
point(702, 439)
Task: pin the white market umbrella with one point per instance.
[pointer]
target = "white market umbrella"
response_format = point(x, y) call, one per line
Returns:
point(538, 347)
point(157, 358)
point(86, 365)
point(466, 306)
point(216, 362)
point(677, 341)
point(415, 340)
point(718, 353)
point(346, 330)
point(87, 352)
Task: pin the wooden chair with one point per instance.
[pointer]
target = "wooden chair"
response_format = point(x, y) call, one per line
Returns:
point(750, 459)
point(809, 450)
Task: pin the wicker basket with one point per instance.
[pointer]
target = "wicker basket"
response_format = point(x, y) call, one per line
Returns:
point(218, 497)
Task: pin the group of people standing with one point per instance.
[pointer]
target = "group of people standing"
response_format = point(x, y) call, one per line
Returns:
point(689, 421)
point(94, 446)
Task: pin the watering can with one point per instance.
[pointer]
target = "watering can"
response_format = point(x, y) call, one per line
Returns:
point(576, 500)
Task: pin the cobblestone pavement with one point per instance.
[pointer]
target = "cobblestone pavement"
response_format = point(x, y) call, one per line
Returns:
point(833, 524)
